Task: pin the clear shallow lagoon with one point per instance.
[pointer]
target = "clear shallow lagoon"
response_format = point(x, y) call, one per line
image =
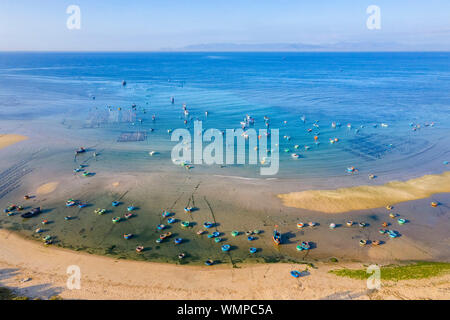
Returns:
point(73, 99)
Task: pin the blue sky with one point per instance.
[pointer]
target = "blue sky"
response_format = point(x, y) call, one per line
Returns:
point(154, 24)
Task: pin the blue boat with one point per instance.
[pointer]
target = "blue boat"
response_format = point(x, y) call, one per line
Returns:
point(115, 203)
point(209, 262)
point(166, 214)
point(131, 208)
point(214, 234)
point(160, 226)
point(208, 224)
point(178, 240)
point(250, 238)
point(253, 250)
point(171, 220)
point(226, 247)
point(295, 273)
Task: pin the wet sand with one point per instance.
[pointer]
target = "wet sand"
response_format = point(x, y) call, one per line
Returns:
point(10, 139)
point(106, 278)
point(368, 197)
point(47, 188)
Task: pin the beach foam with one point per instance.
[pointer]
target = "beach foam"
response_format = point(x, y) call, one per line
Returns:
point(47, 188)
point(10, 139)
point(368, 197)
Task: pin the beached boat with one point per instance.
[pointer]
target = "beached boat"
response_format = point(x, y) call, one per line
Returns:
point(116, 219)
point(160, 226)
point(332, 225)
point(300, 225)
point(252, 250)
point(401, 221)
point(362, 242)
point(181, 255)
point(214, 234)
point(127, 236)
point(139, 248)
point(200, 232)
point(178, 240)
point(33, 212)
point(276, 237)
point(434, 204)
point(166, 214)
point(226, 247)
point(171, 220)
point(217, 239)
point(349, 223)
point(185, 224)
point(99, 211)
point(295, 273)
point(234, 233)
point(81, 150)
point(115, 203)
point(131, 208)
point(128, 215)
point(209, 262)
point(207, 224)
point(188, 209)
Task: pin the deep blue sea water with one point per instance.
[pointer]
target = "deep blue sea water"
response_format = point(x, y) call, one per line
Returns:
point(402, 90)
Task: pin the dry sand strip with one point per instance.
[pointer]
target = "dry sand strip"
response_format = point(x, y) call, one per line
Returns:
point(107, 278)
point(368, 197)
point(10, 139)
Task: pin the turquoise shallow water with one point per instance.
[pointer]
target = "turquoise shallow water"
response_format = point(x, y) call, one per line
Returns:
point(73, 100)
point(362, 89)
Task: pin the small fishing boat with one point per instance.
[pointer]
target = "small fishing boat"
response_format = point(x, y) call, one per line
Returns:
point(188, 209)
point(171, 220)
point(351, 169)
point(209, 262)
point(382, 231)
point(256, 231)
point(178, 240)
point(295, 155)
point(44, 222)
point(401, 221)
point(252, 250)
point(158, 240)
point(362, 224)
point(185, 224)
point(217, 239)
point(362, 242)
point(295, 273)
point(10, 208)
point(385, 224)
point(250, 238)
point(392, 215)
point(48, 242)
point(115, 203)
point(86, 174)
point(392, 234)
point(82, 205)
point(67, 218)
point(160, 226)
point(81, 150)
point(70, 203)
point(19, 208)
point(312, 224)
point(181, 255)
point(207, 224)
point(299, 248)
point(376, 242)
point(305, 245)
point(165, 235)
point(349, 223)
point(38, 230)
point(33, 212)
point(128, 215)
point(389, 207)
point(371, 176)
point(332, 225)
point(200, 232)
point(99, 211)
point(116, 219)
point(234, 233)
point(213, 235)
point(47, 237)
point(26, 197)
point(248, 233)
point(276, 236)
point(166, 214)
point(127, 236)
point(139, 248)
point(300, 225)
point(10, 214)
point(131, 208)
point(226, 247)
point(434, 204)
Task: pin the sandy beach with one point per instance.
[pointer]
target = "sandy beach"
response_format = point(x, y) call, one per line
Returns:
point(368, 197)
point(10, 139)
point(47, 266)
